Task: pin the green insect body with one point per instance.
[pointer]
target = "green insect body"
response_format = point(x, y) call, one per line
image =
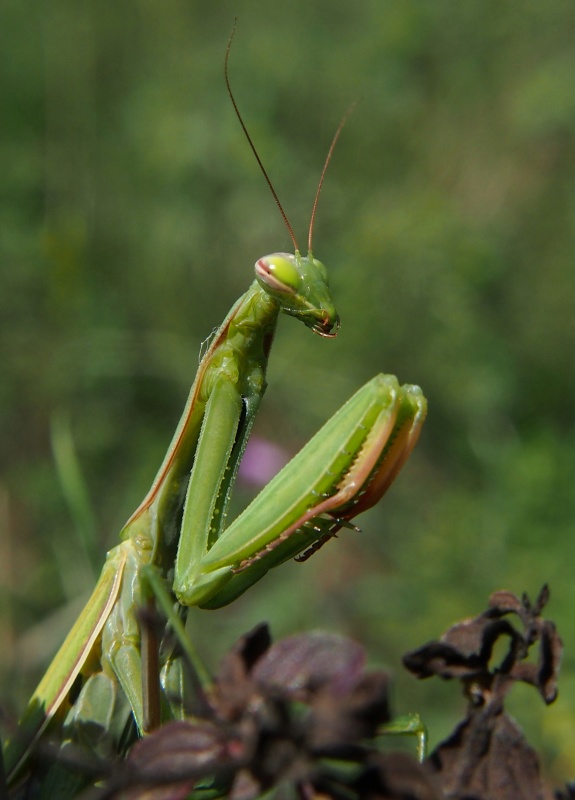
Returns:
point(180, 529)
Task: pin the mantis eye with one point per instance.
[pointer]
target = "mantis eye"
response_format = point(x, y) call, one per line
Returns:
point(279, 272)
point(322, 269)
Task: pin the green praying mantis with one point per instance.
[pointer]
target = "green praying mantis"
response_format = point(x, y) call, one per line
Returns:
point(180, 528)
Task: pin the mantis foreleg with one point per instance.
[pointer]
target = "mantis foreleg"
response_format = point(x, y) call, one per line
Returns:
point(343, 470)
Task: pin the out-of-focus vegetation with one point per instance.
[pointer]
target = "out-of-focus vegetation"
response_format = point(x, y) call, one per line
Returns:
point(131, 214)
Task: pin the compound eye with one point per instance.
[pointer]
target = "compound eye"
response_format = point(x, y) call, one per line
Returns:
point(279, 272)
point(322, 269)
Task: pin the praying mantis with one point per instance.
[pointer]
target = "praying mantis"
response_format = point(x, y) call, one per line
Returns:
point(180, 528)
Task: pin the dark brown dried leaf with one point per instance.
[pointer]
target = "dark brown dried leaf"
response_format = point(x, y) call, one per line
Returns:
point(465, 650)
point(488, 758)
point(307, 662)
point(184, 751)
point(233, 686)
point(275, 712)
point(340, 719)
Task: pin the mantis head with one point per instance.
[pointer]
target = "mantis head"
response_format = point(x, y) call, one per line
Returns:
point(300, 285)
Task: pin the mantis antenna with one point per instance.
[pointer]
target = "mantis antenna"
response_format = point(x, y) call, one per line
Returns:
point(324, 170)
point(249, 138)
point(263, 169)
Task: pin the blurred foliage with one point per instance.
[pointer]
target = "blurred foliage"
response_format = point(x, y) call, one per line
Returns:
point(131, 214)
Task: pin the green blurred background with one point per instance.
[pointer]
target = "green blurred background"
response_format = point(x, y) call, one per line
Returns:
point(132, 212)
